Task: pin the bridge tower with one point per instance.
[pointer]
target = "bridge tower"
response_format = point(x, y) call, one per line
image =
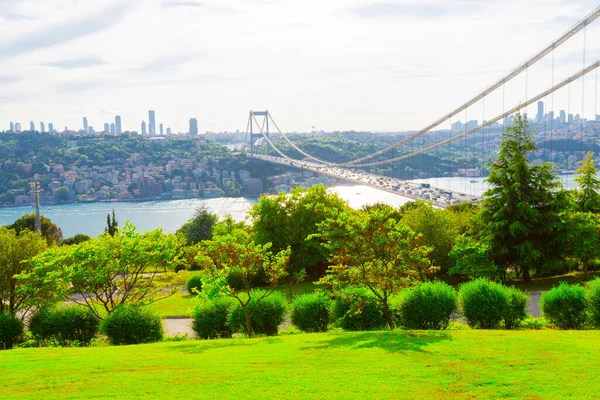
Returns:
point(253, 123)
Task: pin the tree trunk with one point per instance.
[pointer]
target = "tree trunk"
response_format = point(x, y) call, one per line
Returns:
point(248, 325)
point(586, 265)
point(526, 277)
point(388, 315)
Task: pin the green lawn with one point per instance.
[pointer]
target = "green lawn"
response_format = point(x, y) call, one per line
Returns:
point(383, 365)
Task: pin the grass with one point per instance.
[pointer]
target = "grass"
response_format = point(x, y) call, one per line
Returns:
point(395, 365)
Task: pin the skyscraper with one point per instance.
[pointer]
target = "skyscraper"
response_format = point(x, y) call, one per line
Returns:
point(562, 119)
point(17, 127)
point(193, 126)
point(106, 127)
point(42, 127)
point(168, 131)
point(113, 129)
point(151, 122)
point(85, 125)
point(540, 113)
point(12, 127)
point(161, 129)
point(143, 127)
point(51, 127)
point(118, 124)
point(31, 126)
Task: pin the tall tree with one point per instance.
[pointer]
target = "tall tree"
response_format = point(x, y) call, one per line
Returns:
point(587, 197)
point(581, 236)
point(200, 227)
point(50, 231)
point(372, 250)
point(111, 224)
point(521, 206)
point(15, 250)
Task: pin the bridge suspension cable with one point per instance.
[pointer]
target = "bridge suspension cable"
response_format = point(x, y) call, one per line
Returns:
point(540, 96)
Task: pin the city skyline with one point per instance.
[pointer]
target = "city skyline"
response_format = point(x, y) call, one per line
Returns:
point(337, 66)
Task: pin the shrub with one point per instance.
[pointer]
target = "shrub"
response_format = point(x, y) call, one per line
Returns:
point(209, 318)
point(533, 323)
point(266, 316)
point(194, 284)
point(132, 324)
point(310, 312)
point(565, 306)
point(65, 325)
point(593, 301)
point(357, 310)
point(516, 310)
point(483, 303)
point(427, 306)
point(11, 331)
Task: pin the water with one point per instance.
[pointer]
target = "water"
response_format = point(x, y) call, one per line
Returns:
point(90, 218)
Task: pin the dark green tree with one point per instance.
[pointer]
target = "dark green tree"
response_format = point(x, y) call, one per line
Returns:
point(50, 231)
point(587, 197)
point(112, 226)
point(521, 207)
point(200, 227)
point(61, 194)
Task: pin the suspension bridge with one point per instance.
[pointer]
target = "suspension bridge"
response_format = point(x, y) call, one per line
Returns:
point(260, 136)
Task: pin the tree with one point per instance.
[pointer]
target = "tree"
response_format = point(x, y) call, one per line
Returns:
point(226, 256)
point(109, 271)
point(372, 250)
point(472, 260)
point(200, 227)
point(76, 239)
point(520, 209)
point(287, 220)
point(15, 250)
point(587, 197)
point(50, 231)
point(111, 225)
point(582, 236)
point(61, 194)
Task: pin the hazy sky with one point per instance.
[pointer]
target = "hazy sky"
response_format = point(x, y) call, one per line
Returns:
point(332, 64)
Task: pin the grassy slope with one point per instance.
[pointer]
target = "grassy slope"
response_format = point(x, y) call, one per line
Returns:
point(453, 365)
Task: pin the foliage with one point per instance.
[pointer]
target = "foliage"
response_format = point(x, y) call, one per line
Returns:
point(357, 310)
point(132, 324)
point(310, 312)
point(200, 227)
point(516, 309)
point(437, 230)
point(50, 231)
point(472, 259)
point(581, 236)
point(429, 305)
point(372, 250)
point(565, 306)
point(78, 238)
point(194, 284)
point(209, 318)
point(265, 315)
point(483, 303)
point(593, 302)
point(11, 331)
point(286, 220)
point(112, 226)
point(15, 249)
point(520, 209)
point(228, 226)
point(534, 323)
point(64, 325)
point(225, 256)
point(109, 271)
point(588, 198)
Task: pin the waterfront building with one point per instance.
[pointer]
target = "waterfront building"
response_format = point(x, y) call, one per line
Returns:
point(151, 122)
point(118, 124)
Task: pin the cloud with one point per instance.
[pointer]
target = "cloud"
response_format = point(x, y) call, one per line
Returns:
point(64, 32)
point(169, 62)
point(195, 4)
point(83, 62)
point(387, 10)
point(10, 16)
point(8, 79)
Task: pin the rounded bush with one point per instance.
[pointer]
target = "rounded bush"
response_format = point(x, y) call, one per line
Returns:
point(132, 325)
point(565, 306)
point(427, 306)
point(266, 315)
point(209, 318)
point(483, 303)
point(65, 325)
point(357, 310)
point(593, 300)
point(310, 312)
point(516, 310)
point(194, 284)
point(11, 331)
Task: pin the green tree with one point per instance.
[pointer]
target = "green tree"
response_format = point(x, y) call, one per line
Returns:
point(581, 236)
point(200, 227)
point(472, 259)
point(520, 209)
point(287, 220)
point(76, 239)
point(226, 256)
point(62, 194)
point(587, 197)
point(112, 225)
point(109, 271)
point(372, 250)
point(50, 231)
point(15, 250)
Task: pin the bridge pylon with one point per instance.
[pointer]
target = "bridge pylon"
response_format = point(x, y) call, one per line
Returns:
point(256, 130)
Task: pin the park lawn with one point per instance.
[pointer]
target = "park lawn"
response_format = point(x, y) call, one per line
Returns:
point(384, 365)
